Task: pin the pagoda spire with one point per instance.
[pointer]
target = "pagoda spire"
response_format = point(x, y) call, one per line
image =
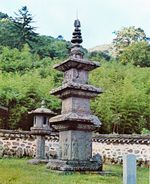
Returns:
point(76, 49)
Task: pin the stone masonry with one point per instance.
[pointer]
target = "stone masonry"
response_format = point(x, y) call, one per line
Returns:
point(23, 144)
point(76, 123)
point(110, 147)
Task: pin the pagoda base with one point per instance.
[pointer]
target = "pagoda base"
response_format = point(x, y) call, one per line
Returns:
point(37, 161)
point(74, 165)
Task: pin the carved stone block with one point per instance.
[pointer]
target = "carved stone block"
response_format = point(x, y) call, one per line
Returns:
point(76, 145)
point(76, 104)
point(74, 75)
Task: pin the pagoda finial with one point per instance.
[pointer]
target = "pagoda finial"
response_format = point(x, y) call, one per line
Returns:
point(76, 49)
point(77, 38)
point(77, 23)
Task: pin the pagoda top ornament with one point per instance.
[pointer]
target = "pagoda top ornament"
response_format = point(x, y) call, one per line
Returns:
point(76, 50)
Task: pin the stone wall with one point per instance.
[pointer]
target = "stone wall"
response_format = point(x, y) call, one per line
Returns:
point(113, 147)
point(23, 144)
point(110, 147)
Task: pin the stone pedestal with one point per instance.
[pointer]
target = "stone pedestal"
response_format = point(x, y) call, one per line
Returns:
point(75, 153)
point(75, 165)
point(76, 123)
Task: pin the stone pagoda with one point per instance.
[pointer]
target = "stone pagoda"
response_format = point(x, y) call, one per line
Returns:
point(40, 129)
point(76, 123)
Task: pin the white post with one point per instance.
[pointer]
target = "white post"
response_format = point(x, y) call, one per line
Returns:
point(129, 169)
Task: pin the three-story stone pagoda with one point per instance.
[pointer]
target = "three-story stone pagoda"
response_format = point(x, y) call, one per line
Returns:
point(76, 123)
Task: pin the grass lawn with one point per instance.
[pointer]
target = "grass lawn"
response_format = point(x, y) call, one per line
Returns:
point(17, 171)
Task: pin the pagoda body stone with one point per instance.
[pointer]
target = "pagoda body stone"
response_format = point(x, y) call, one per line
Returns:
point(76, 123)
point(40, 128)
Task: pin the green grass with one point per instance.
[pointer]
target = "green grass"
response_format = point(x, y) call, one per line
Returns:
point(17, 171)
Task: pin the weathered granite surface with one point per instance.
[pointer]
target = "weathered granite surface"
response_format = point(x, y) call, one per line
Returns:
point(71, 89)
point(75, 165)
point(76, 117)
point(77, 63)
point(74, 145)
point(76, 123)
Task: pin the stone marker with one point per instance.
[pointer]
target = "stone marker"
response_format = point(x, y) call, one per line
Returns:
point(40, 129)
point(76, 123)
point(129, 169)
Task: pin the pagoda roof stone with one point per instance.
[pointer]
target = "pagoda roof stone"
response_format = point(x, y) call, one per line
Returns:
point(76, 89)
point(42, 110)
point(78, 63)
point(76, 117)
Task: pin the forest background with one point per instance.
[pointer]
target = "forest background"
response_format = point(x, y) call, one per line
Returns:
point(27, 75)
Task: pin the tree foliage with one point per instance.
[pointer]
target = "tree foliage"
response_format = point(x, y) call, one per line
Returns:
point(3, 15)
point(24, 92)
point(23, 28)
point(13, 60)
point(18, 31)
point(98, 56)
point(126, 36)
point(47, 46)
point(7, 34)
point(137, 53)
point(124, 107)
point(27, 76)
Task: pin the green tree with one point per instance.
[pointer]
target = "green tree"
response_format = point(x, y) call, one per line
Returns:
point(127, 36)
point(47, 46)
point(23, 28)
point(124, 105)
point(3, 15)
point(98, 56)
point(18, 31)
point(7, 34)
point(13, 60)
point(137, 53)
point(23, 93)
